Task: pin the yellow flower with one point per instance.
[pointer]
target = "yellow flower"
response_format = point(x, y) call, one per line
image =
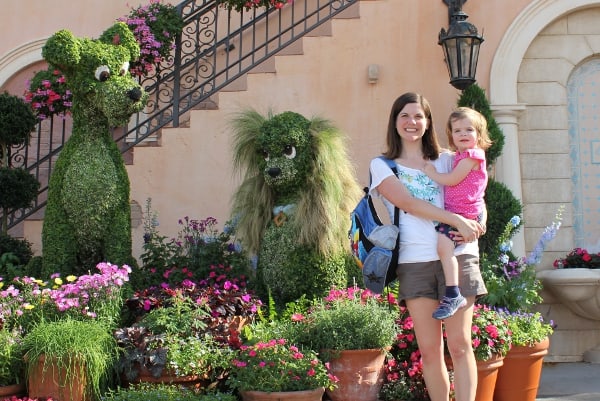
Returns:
point(28, 306)
point(58, 281)
point(71, 278)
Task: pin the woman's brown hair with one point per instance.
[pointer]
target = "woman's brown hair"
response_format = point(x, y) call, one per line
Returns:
point(431, 147)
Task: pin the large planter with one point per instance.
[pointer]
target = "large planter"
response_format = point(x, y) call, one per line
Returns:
point(519, 376)
point(308, 395)
point(360, 374)
point(487, 373)
point(145, 376)
point(47, 380)
point(13, 389)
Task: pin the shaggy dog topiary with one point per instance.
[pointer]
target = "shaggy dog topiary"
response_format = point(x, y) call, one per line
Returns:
point(293, 205)
point(87, 217)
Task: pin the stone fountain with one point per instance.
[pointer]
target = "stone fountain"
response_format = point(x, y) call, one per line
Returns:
point(579, 290)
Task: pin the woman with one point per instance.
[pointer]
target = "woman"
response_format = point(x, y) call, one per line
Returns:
point(412, 142)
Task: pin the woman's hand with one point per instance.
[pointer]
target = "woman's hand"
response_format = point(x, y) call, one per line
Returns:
point(468, 230)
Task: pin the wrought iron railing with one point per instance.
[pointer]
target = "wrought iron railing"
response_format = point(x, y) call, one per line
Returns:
point(216, 48)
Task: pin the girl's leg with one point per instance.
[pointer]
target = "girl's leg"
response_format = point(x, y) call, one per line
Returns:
point(453, 300)
point(429, 337)
point(458, 336)
point(445, 249)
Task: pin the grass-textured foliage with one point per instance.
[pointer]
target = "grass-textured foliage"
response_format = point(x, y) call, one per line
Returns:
point(293, 204)
point(349, 319)
point(79, 348)
point(163, 392)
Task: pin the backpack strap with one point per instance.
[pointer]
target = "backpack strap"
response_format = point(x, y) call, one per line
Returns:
point(391, 273)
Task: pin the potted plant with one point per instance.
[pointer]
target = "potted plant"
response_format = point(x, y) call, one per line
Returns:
point(12, 372)
point(171, 344)
point(514, 286)
point(49, 95)
point(162, 392)
point(69, 359)
point(520, 374)
point(491, 339)
point(352, 329)
point(276, 370)
point(404, 367)
point(579, 258)
point(239, 5)
point(155, 27)
point(28, 301)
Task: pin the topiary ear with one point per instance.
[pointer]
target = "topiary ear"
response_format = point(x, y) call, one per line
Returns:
point(120, 35)
point(62, 50)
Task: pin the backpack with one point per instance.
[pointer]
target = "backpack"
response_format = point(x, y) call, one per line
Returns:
point(375, 246)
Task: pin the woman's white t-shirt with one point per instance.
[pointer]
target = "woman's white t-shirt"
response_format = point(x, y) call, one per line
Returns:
point(418, 238)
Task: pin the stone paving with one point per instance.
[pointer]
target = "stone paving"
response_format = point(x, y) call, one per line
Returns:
point(579, 381)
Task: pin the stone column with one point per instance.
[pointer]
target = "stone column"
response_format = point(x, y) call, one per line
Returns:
point(508, 165)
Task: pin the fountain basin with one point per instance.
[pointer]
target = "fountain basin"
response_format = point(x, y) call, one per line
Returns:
point(579, 290)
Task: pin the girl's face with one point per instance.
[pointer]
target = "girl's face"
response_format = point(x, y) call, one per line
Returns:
point(464, 134)
point(411, 122)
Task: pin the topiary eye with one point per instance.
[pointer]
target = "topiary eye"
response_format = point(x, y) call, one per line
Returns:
point(102, 73)
point(264, 154)
point(289, 151)
point(124, 68)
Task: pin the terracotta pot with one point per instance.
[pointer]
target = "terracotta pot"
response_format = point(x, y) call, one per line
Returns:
point(487, 373)
point(360, 374)
point(145, 376)
point(13, 389)
point(308, 395)
point(519, 376)
point(48, 380)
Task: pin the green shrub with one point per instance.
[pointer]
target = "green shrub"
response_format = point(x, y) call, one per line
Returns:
point(15, 254)
point(501, 207)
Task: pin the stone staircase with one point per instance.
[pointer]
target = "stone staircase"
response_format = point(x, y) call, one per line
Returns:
point(181, 165)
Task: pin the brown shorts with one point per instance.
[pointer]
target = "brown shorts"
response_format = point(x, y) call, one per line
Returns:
point(427, 279)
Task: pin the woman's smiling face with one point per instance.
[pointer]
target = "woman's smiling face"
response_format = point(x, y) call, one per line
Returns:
point(411, 122)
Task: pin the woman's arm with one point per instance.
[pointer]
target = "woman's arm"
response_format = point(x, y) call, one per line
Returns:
point(395, 192)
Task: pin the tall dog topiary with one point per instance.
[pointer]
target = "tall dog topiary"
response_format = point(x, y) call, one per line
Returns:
point(87, 217)
point(294, 202)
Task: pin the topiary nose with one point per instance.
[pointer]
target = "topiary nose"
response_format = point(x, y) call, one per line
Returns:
point(274, 171)
point(135, 94)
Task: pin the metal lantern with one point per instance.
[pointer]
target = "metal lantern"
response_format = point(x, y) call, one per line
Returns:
point(461, 46)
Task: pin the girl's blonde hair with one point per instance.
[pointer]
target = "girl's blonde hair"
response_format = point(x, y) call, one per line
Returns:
point(479, 123)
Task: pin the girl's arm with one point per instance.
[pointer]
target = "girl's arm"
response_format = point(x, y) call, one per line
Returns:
point(395, 192)
point(455, 176)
